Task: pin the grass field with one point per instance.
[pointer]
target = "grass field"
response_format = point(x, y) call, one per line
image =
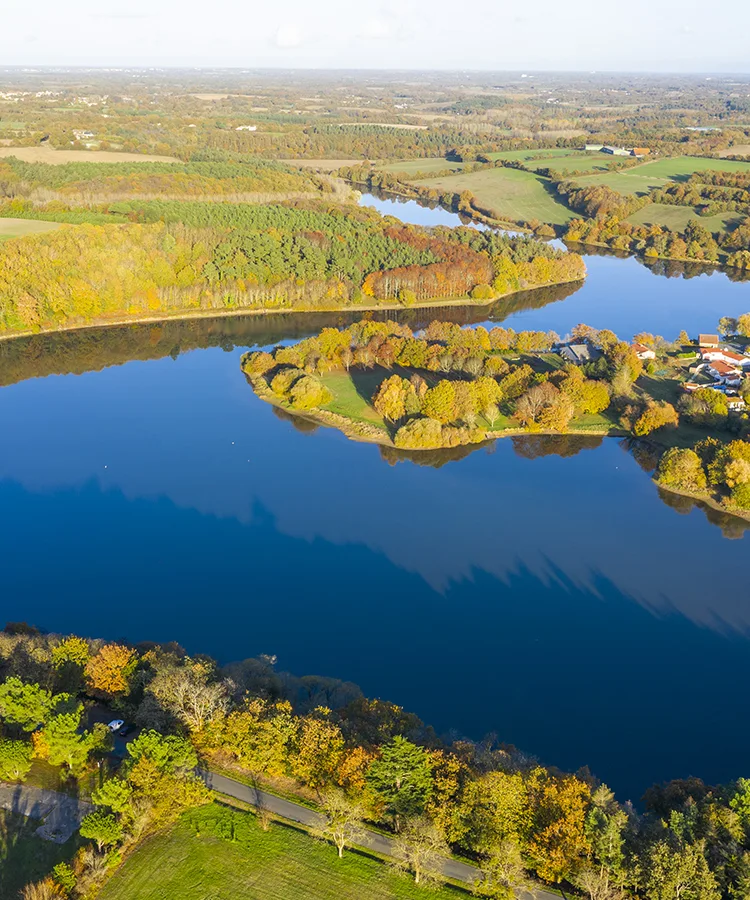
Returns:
point(509, 192)
point(528, 154)
point(412, 166)
point(10, 228)
point(676, 218)
point(24, 857)
point(48, 154)
point(350, 390)
point(680, 167)
point(624, 183)
point(578, 162)
point(219, 854)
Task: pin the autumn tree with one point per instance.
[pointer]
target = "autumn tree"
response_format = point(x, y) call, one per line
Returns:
point(656, 415)
point(317, 750)
point(108, 673)
point(681, 469)
point(559, 844)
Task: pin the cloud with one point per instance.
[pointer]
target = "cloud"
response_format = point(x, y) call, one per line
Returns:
point(288, 37)
point(376, 28)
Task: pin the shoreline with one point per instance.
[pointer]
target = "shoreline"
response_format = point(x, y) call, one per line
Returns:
point(370, 433)
point(225, 313)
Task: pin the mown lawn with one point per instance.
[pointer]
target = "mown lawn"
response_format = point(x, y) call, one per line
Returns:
point(215, 853)
point(350, 392)
point(510, 193)
point(579, 162)
point(676, 218)
point(528, 154)
point(10, 228)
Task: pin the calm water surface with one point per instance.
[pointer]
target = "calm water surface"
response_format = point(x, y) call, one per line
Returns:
point(539, 589)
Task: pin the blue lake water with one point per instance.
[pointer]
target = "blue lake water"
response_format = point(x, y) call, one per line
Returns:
point(541, 590)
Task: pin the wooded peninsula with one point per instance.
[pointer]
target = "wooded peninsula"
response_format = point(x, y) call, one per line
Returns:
point(448, 387)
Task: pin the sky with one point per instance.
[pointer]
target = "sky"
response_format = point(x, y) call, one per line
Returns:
point(499, 35)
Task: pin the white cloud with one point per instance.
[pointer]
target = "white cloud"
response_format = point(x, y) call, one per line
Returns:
point(377, 28)
point(288, 37)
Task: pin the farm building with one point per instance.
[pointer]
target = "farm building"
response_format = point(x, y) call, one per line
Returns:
point(708, 340)
point(616, 151)
point(640, 151)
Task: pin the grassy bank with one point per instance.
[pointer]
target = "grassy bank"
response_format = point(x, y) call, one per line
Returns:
point(216, 853)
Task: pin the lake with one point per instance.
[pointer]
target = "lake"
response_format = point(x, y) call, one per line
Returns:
point(540, 589)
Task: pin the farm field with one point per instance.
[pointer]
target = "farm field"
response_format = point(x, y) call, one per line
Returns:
point(413, 166)
point(219, 854)
point(572, 163)
point(679, 167)
point(58, 157)
point(510, 193)
point(10, 228)
point(676, 218)
point(624, 183)
point(528, 154)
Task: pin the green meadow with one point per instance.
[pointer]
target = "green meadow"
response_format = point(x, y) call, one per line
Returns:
point(676, 218)
point(510, 193)
point(215, 853)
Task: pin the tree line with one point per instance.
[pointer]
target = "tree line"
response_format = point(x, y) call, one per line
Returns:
point(361, 761)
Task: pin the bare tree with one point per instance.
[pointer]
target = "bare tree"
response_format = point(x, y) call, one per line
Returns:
point(189, 694)
point(421, 848)
point(342, 820)
point(503, 874)
point(597, 884)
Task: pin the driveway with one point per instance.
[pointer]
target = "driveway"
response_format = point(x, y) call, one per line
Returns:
point(61, 815)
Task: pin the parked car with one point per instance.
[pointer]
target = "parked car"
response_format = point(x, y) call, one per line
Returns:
point(124, 730)
point(115, 725)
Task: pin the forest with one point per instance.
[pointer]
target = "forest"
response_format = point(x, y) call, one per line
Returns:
point(358, 760)
point(175, 258)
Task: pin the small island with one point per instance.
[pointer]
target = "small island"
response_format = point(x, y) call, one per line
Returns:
point(449, 386)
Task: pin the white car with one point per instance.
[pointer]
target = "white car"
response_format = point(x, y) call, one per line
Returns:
point(115, 725)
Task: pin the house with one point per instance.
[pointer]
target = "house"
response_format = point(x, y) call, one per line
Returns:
point(724, 373)
point(644, 352)
point(708, 340)
point(736, 404)
point(579, 353)
point(730, 357)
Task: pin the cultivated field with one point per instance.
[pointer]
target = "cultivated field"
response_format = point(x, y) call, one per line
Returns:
point(10, 228)
point(48, 154)
point(511, 193)
point(676, 218)
point(219, 854)
point(737, 150)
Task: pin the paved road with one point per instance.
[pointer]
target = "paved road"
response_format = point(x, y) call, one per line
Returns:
point(370, 840)
point(60, 813)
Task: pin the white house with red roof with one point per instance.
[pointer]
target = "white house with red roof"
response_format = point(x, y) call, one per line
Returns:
point(643, 352)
